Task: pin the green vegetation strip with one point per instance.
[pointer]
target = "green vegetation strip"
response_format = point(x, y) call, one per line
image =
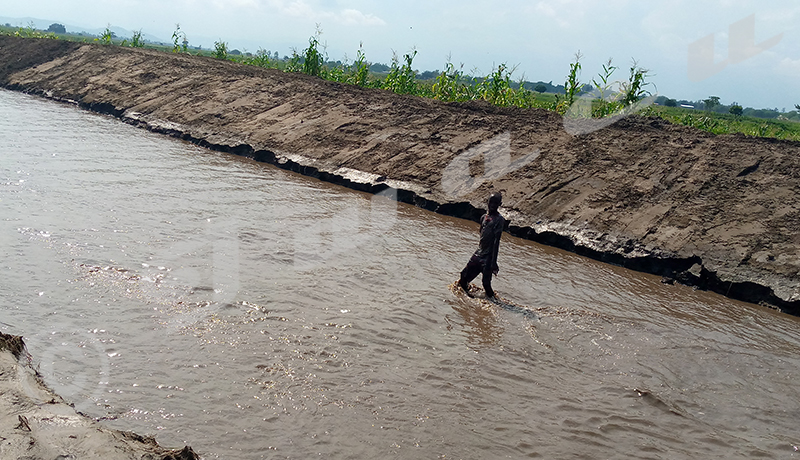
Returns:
point(453, 85)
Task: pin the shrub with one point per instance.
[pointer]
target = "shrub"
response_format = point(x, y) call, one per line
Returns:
point(401, 78)
point(179, 42)
point(220, 50)
point(313, 59)
point(136, 39)
point(107, 37)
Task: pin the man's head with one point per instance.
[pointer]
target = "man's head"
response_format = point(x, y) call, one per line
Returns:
point(495, 200)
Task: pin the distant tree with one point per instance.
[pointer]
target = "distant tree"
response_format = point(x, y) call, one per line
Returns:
point(429, 74)
point(797, 106)
point(761, 113)
point(736, 109)
point(236, 52)
point(379, 67)
point(671, 103)
point(711, 103)
point(540, 88)
point(57, 28)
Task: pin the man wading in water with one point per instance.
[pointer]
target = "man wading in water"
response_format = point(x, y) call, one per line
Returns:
point(485, 258)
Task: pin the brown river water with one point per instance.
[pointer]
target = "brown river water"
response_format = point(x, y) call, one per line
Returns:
point(206, 299)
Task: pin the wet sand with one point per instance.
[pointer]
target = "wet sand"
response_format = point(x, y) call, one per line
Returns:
point(36, 423)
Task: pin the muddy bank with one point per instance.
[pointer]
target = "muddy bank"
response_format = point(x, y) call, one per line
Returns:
point(36, 423)
point(717, 212)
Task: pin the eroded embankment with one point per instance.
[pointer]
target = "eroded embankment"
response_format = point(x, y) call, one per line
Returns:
point(717, 212)
point(36, 423)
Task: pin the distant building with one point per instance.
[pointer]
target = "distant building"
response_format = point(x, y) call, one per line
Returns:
point(687, 106)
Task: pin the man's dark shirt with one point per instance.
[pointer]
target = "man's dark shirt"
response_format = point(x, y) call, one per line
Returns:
point(491, 229)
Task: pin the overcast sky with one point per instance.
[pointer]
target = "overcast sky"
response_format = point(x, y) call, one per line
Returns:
point(540, 38)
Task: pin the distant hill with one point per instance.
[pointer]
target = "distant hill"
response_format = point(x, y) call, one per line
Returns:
point(43, 24)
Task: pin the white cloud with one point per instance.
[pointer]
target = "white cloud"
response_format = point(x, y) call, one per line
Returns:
point(789, 67)
point(291, 8)
point(221, 4)
point(305, 10)
point(546, 9)
point(354, 17)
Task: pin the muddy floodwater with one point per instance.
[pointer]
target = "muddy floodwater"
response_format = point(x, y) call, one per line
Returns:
point(250, 312)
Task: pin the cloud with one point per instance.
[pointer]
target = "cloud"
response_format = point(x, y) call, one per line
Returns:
point(350, 17)
point(546, 9)
point(221, 4)
point(304, 9)
point(789, 67)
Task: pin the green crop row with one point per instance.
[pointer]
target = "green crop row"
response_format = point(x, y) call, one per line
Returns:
point(719, 123)
point(451, 85)
point(454, 85)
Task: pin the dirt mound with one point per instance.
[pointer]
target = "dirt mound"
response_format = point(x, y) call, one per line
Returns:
point(22, 54)
point(718, 212)
point(36, 423)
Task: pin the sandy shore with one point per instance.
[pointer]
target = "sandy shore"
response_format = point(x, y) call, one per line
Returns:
point(35, 423)
point(718, 212)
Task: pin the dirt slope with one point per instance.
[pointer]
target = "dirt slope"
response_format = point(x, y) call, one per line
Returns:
point(37, 424)
point(719, 212)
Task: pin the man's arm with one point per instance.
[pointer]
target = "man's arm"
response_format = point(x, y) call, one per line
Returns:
point(496, 249)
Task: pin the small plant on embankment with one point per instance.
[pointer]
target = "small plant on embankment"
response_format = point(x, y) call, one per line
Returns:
point(107, 37)
point(358, 72)
point(180, 44)
point(136, 39)
point(633, 91)
point(496, 88)
point(604, 105)
point(450, 85)
point(572, 86)
point(220, 50)
point(260, 59)
point(313, 58)
point(402, 79)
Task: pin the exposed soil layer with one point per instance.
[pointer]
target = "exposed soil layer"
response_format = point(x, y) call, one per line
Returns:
point(720, 212)
point(35, 423)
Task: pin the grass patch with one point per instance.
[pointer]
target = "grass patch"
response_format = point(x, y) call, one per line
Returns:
point(721, 123)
